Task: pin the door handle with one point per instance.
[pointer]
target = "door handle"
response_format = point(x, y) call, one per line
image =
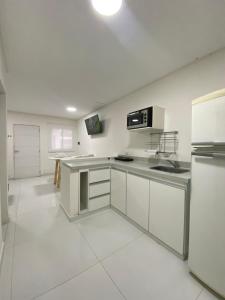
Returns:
point(210, 143)
point(211, 155)
point(202, 154)
point(16, 151)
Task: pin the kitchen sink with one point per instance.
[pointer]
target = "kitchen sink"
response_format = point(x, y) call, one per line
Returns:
point(170, 169)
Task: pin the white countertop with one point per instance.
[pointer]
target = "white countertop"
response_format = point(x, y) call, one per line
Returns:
point(141, 168)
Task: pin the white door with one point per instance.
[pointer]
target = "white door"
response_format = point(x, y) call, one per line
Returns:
point(138, 199)
point(26, 151)
point(166, 218)
point(119, 189)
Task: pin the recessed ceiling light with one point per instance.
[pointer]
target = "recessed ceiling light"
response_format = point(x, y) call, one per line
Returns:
point(71, 109)
point(107, 7)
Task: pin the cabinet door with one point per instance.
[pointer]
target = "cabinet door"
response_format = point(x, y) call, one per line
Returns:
point(138, 199)
point(166, 218)
point(118, 190)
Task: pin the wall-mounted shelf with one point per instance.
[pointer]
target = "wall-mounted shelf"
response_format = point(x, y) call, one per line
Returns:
point(164, 142)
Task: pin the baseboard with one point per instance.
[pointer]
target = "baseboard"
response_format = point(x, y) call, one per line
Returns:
point(47, 173)
point(157, 240)
point(65, 212)
point(89, 213)
point(81, 216)
point(41, 174)
point(222, 297)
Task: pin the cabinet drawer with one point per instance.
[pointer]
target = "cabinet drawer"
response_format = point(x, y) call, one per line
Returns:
point(99, 189)
point(99, 175)
point(99, 202)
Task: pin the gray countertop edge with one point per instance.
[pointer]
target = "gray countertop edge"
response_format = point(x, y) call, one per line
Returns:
point(183, 179)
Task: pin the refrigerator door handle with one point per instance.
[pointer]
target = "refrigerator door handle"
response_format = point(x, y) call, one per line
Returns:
point(202, 154)
point(210, 143)
point(219, 155)
point(210, 155)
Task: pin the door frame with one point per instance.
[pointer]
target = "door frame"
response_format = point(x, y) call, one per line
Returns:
point(14, 165)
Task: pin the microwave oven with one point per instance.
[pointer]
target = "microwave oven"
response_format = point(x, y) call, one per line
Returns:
point(150, 117)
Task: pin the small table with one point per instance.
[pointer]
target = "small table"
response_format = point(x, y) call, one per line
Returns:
point(58, 158)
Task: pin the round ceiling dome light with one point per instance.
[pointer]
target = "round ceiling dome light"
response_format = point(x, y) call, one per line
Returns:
point(107, 7)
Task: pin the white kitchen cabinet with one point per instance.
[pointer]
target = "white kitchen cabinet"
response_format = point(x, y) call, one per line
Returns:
point(138, 199)
point(166, 218)
point(118, 189)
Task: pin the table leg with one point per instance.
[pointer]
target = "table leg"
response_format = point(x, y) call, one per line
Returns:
point(56, 168)
point(59, 176)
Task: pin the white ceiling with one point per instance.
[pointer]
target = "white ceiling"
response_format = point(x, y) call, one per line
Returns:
point(60, 52)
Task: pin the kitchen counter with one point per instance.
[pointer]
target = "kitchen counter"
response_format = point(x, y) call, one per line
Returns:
point(148, 198)
point(138, 167)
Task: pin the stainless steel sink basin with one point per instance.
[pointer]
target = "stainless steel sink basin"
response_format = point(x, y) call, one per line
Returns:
point(170, 169)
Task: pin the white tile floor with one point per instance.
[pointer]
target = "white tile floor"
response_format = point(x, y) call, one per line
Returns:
point(99, 257)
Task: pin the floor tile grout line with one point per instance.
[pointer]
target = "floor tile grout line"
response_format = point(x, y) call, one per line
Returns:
point(89, 245)
point(67, 280)
point(97, 262)
point(114, 252)
point(121, 248)
point(14, 233)
point(117, 287)
point(101, 212)
point(64, 282)
point(199, 294)
point(100, 262)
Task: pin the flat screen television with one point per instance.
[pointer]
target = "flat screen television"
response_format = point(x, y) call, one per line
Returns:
point(93, 125)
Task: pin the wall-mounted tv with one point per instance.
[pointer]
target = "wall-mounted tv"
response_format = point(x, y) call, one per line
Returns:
point(93, 125)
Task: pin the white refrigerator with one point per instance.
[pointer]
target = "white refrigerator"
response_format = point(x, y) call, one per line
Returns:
point(207, 209)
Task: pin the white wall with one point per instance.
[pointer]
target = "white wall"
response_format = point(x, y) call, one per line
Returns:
point(3, 159)
point(47, 166)
point(3, 143)
point(174, 92)
point(2, 66)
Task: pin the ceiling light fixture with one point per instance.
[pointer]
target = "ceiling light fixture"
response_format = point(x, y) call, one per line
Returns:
point(71, 109)
point(107, 7)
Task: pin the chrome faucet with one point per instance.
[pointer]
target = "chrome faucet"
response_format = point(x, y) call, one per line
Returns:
point(174, 163)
